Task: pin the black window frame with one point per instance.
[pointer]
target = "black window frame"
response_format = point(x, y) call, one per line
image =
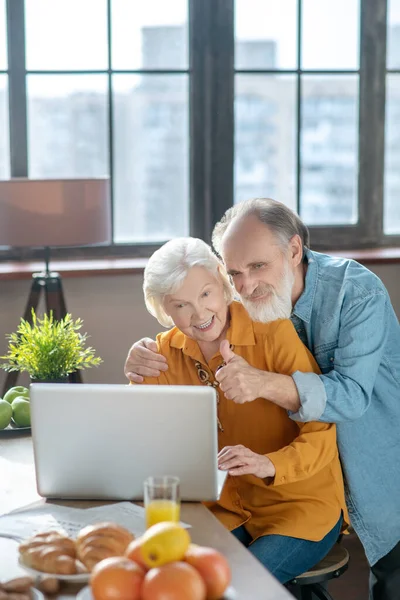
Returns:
point(211, 124)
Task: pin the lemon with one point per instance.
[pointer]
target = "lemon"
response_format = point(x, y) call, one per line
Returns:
point(164, 543)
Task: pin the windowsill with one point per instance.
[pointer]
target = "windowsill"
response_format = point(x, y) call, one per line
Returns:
point(133, 266)
point(74, 268)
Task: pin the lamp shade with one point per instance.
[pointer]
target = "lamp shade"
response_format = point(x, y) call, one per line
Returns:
point(55, 212)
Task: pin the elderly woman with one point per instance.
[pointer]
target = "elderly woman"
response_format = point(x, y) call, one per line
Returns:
point(283, 497)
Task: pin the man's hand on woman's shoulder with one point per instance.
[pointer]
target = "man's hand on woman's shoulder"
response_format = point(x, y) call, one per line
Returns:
point(144, 360)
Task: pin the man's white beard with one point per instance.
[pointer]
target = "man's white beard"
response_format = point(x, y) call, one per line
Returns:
point(278, 305)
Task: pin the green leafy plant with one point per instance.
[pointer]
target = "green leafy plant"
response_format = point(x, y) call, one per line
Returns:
point(49, 349)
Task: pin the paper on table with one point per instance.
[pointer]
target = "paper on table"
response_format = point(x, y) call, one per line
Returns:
point(17, 480)
point(24, 523)
point(126, 514)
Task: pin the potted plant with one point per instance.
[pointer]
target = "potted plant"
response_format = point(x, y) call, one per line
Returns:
point(49, 350)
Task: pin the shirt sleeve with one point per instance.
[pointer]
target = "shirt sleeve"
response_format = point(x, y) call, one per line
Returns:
point(311, 451)
point(315, 446)
point(344, 393)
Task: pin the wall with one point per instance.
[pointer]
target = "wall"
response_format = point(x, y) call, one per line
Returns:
point(114, 315)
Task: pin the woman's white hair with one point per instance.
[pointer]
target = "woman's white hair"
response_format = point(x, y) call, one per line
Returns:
point(168, 267)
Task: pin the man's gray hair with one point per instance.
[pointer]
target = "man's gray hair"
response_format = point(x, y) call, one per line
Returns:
point(168, 267)
point(280, 219)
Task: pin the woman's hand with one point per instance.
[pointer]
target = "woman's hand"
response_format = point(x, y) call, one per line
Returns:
point(239, 460)
point(144, 360)
point(238, 380)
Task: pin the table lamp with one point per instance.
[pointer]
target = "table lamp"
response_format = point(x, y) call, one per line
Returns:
point(48, 213)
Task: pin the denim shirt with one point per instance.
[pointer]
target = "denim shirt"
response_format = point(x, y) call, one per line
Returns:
point(346, 319)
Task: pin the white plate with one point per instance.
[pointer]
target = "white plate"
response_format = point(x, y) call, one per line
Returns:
point(36, 594)
point(86, 594)
point(14, 427)
point(79, 578)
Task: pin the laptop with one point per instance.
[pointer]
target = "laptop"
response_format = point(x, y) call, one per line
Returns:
point(100, 442)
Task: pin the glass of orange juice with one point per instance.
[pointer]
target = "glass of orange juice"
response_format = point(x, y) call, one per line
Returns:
point(161, 499)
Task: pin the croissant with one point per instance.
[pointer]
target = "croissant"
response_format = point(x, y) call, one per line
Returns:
point(49, 559)
point(96, 542)
point(65, 544)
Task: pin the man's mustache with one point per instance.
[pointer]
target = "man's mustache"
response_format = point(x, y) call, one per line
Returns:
point(260, 292)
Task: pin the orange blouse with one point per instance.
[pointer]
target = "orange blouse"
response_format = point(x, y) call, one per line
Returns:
point(306, 496)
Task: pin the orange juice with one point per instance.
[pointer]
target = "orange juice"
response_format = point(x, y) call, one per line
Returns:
point(162, 510)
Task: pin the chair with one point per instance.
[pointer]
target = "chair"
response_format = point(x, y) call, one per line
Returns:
point(308, 585)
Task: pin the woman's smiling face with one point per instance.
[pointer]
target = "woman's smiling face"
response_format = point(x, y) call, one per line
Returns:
point(198, 308)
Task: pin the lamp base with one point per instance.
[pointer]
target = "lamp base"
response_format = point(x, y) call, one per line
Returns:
point(49, 283)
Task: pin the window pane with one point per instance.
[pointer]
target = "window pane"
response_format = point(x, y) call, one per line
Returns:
point(266, 34)
point(330, 34)
point(393, 42)
point(4, 137)
point(329, 150)
point(392, 156)
point(265, 137)
point(151, 157)
point(3, 36)
point(67, 125)
point(149, 35)
point(66, 34)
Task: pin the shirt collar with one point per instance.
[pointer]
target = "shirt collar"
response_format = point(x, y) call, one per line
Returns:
point(240, 333)
point(304, 304)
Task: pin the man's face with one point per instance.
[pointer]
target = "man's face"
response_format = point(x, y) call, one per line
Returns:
point(260, 269)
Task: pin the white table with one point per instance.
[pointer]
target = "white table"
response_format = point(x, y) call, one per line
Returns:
point(250, 580)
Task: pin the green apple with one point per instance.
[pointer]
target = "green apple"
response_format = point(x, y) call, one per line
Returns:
point(13, 392)
point(5, 413)
point(21, 412)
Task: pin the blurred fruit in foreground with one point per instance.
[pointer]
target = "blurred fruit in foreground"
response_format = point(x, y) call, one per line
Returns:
point(133, 552)
point(5, 414)
point(21, 410)
point(18, 390)
point(175, 581)
point(164, 543)
point(213, 568)
point(96, 542)
point(116, 578)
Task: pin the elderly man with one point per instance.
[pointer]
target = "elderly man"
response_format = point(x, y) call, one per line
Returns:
point(343, 314)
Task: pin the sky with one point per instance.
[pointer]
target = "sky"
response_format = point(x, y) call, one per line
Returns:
point(57, 40)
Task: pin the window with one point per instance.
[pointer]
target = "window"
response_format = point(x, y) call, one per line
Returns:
point(70, 89)
point(3, 36)
point(392, 132)
point(329, 149)
point(299, 141)
point(191, 105)
point(4, 120)
point(67, 126)
point(151, 157)
point(265, 137)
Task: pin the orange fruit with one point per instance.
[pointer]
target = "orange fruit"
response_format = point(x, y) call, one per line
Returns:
point(116, 578)
point(174, 581)
point(213, 567)
point(133, 552)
